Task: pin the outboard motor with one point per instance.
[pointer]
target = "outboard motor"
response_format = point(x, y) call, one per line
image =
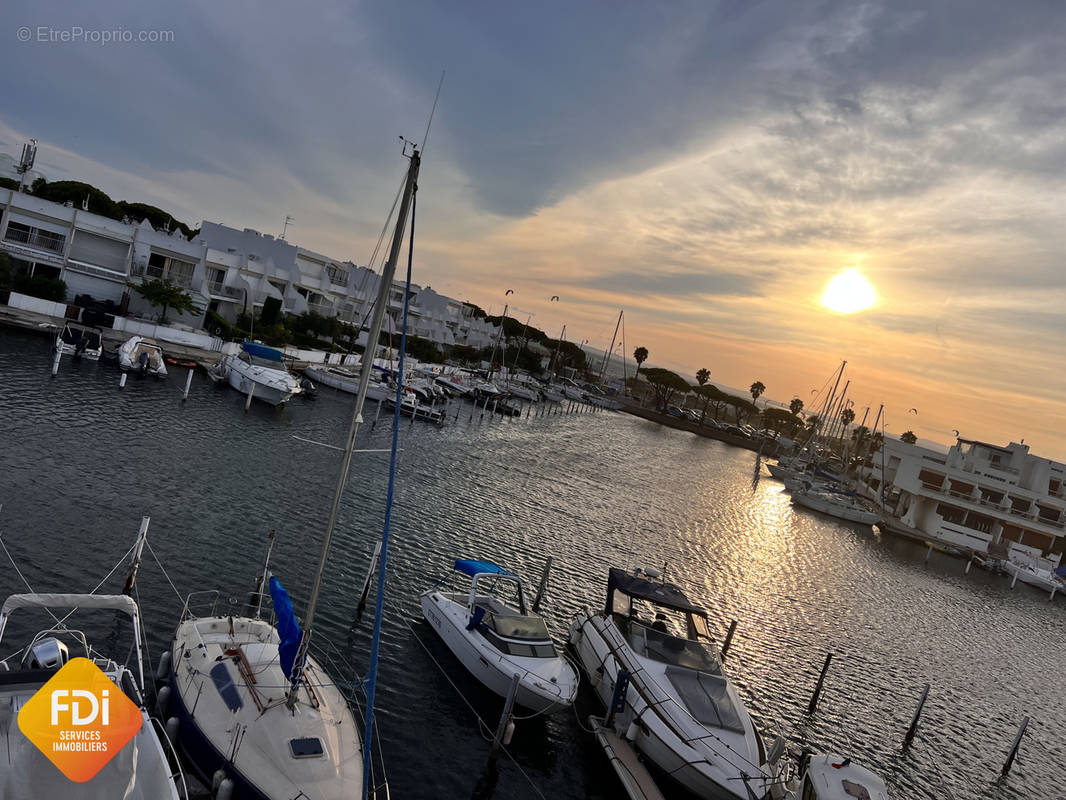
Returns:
point(307, 387)
point(48, 653)
point(143, 361)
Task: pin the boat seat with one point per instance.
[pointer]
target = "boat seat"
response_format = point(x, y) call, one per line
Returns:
point(706, 697)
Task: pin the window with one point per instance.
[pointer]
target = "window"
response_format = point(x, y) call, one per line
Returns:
point(308, 747)
point(175, 270)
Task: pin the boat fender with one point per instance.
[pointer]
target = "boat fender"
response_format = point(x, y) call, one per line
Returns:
point(163, 670)
point(225, 790)
point(173, 727)
point(162, 701)
point(631, 731)
point(508, 732)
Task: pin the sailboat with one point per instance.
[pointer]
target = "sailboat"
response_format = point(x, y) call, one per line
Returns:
point(255, 708)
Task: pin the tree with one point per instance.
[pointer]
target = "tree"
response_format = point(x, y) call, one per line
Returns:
point(640, 355)
point(847, 416)
point(161, 292)
point(795, 406)
point(702, 376)
point(756, 390)
point(908, 437)
point(778, 419)
point(665, 383)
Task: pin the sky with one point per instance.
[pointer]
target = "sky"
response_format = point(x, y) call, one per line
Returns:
point(707, 167)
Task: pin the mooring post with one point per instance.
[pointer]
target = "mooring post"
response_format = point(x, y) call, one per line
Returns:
point(122, 381)
point(188, 383)
point(1014, 747)
point(251, 391)
point(928, 553)
point(55, 361)
point(1014, 580)
point(818, 687)
point(728, 639)
point(969, 564)
point(917, 713)
point(506, 727)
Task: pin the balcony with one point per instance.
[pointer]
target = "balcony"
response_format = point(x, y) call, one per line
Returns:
point(322, 308)
point(41, 240)
point(339, 278)
point(216, 289)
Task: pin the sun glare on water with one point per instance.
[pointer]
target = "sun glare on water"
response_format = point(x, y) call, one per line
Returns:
point(848, 293)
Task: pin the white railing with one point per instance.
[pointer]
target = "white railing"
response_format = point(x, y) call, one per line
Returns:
point(34, 238)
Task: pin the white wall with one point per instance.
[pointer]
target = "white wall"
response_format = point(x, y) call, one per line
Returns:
point(35, 304)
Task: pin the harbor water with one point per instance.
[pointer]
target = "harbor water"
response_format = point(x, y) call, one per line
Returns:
point(81, 461)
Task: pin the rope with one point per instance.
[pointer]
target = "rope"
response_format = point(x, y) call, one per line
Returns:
point(165, 575)
point(482, 725)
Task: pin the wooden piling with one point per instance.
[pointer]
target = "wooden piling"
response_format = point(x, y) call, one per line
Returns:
point(818, 687)
point(728, 639)
point(1014, 747)
point(917, 713)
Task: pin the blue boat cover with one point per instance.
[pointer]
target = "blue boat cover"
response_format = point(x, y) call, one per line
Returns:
point(473, 566)
point(261, 351)
point(1061, 571)
point(288, 627)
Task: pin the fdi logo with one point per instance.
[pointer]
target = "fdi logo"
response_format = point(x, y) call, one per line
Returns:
point(79, 719)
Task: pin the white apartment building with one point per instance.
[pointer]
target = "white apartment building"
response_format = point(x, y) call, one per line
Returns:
point(226, 270)
point(259, 266)
point(976, 494)
point(96, 255)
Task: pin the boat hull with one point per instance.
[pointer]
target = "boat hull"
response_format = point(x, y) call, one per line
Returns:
point(694, 769)
point(840, 511)
point(276, 392)
point(492, 670)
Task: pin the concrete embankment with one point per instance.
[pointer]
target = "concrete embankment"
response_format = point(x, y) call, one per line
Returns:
point(769, 448)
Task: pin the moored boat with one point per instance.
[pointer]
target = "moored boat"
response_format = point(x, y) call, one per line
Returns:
point(679, 708)
point(142, 355)
point(828, 500)
point(80, 341)
point(141, 769)
point(495, 640)
point(260, 370)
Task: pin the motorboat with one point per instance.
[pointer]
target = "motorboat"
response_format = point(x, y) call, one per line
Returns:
point(1042, 574)
point(826, 499)
point(411, 405)
point(833, 777)
point(496, 640)
point(80, 341)
point(229, 676)
point(454, 383)
point(146, 766)
point(649, 655)
point(339, 378)
point(260, 371)
point(142, 355)
point(552, 394)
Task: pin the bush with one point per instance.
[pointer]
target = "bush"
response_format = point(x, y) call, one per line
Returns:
point(44, 288)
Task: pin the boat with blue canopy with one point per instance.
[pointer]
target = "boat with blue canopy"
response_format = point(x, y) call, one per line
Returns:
point(260, 371)
point(496, 635)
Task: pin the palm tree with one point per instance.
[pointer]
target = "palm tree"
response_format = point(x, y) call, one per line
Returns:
point(756, 390)
point(702, 376)
point(908, 437)
point(795, 406)
point(640, 355)
point(847, 416)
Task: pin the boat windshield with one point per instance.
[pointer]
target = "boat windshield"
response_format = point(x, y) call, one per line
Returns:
point(674, 650)
point(259, 361)
point(518, 635)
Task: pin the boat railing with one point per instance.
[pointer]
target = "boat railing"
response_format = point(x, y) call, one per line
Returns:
point(171, 755)
point(196, 597)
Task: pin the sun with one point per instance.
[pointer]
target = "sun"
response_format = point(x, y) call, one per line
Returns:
point(848, 293)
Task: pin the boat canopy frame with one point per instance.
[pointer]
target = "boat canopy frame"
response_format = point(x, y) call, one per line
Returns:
point(478, 569)
point(658, 592)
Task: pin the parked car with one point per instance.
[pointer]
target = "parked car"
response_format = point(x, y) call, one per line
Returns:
point(674, 411)
point(690, 415)
point(736, 430)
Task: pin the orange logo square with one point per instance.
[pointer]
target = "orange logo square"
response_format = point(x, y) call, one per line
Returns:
point(80, 719)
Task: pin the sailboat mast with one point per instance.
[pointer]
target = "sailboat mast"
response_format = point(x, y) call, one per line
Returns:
point(607, 353)
point(388, 271)
point(555, 358)
point(492, 358)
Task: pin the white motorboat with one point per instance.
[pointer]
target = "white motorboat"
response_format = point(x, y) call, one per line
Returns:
point(339, 378)
point(496, 641)
point(832, 777)
point(80, 341)
point(411, 405)
point(680, 709)
point(142, 355)
point(229, 676)
point(552, 394)
point(260, 370)
point(144, 769)
point(828, 500)
point(455, 383)
point(1041, 574)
